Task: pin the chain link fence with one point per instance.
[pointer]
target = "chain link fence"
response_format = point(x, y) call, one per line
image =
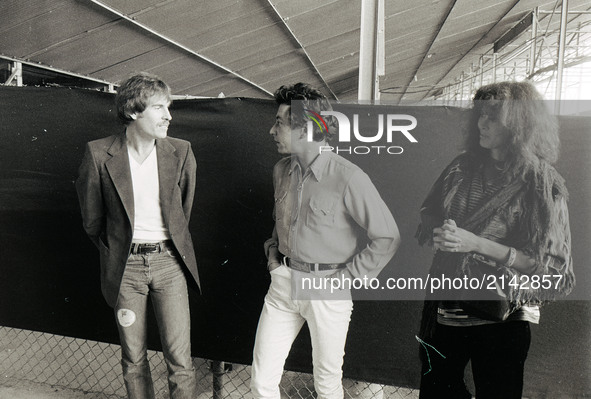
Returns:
point(94, 367)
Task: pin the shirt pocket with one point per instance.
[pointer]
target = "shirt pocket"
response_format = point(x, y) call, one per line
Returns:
point(321, 211)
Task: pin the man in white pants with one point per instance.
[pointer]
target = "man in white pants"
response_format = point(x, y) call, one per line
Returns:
point(330, 223)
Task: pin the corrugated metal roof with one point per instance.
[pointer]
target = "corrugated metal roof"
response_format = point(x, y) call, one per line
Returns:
point(250, 47)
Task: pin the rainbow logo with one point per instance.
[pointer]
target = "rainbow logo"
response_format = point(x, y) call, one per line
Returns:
point(316, 118)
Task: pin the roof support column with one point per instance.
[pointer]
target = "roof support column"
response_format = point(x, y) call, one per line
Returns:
point(561, 47)
point(16, 68)
point(371, 49)
point(534, 41)
point(494, 67)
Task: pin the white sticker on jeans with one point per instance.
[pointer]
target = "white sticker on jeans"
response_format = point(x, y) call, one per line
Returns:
point(125, 317)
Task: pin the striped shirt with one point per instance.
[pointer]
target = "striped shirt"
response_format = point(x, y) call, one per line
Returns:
point(471, 196)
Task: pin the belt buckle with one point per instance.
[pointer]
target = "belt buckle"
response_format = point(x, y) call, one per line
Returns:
point(148, 248)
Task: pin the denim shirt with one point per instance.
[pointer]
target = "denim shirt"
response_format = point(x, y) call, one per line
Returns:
point(331, 213)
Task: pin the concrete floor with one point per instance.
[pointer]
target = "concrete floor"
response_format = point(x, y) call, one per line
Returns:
point(13, 389)
point(36, 365)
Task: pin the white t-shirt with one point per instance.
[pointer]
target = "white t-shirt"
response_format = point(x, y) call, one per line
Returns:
point(148, 224)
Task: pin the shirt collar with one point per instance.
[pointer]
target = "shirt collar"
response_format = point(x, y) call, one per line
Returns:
point(317, 167)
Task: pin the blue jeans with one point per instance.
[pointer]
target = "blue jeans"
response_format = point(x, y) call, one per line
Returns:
point(160, 276)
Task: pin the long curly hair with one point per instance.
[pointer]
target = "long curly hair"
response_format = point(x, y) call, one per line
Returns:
point(521, 109)
point(302, 98)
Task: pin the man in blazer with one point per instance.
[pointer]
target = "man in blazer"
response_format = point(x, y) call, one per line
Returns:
point(136, 193)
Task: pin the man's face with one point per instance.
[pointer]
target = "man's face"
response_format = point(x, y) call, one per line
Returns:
point(281, 130)
point(153, 122)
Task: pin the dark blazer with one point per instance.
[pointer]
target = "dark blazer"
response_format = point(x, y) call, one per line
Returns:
point(105, 193)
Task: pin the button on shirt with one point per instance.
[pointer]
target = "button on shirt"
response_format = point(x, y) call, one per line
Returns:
point(331, 213)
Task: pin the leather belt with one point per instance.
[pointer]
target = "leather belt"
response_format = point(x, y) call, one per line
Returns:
point(311, 267)
point(151, 247)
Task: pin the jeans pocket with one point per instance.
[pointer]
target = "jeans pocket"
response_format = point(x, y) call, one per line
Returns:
point(170, 253)
point(278, 270)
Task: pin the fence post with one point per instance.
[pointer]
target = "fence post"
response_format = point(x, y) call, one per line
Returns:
point(218, 369)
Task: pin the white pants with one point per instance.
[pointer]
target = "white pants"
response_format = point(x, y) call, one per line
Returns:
point(280, 322)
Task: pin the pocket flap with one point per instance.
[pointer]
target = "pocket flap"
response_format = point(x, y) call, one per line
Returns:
point(323, 206)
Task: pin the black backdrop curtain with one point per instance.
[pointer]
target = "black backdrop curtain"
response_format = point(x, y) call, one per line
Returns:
point(50, 272)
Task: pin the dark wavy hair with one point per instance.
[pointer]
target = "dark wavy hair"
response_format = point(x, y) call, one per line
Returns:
point(521, 109)
point(133, 94)
point(302, 97)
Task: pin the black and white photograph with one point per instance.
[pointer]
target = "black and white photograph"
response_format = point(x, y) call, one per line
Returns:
point(295, 199)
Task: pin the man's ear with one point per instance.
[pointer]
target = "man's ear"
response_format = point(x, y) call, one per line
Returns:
point(303, 134)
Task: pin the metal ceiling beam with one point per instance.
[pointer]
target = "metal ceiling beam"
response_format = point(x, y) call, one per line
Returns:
point(426, 55)
point(570, 12)
point(179, 45)
point(57, 70)
point(514, 32)
point(470, 50)
point(553, 67)
point(302, 48)
point(530, 45)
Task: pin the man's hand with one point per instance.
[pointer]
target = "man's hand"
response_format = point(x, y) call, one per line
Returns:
point(272, 265)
